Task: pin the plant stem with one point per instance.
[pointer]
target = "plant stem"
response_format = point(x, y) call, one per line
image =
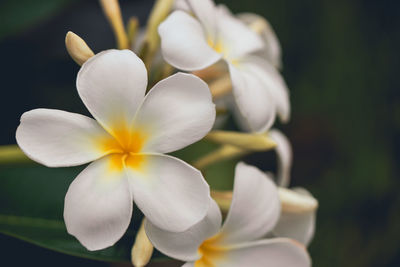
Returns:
point(246, 141)
point(223, 153)
point(112, 11)
point(221, 87)
point(12, 154)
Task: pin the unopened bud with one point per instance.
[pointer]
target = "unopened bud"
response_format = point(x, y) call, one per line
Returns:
point(142, 249)
point(77, 48)
point(291, 201)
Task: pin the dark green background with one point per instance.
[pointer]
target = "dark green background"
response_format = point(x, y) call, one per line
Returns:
point(341, 63)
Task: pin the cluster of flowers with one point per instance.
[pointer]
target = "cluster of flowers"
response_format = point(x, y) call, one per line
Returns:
point(128, 140)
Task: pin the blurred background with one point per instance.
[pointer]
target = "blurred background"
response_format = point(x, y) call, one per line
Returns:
point(341, 64)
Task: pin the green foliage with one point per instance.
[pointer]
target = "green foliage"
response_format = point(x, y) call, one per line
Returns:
point(31, 208)
point(16, 16)
point(32, 203)
point(219, 175)
point(341, 67)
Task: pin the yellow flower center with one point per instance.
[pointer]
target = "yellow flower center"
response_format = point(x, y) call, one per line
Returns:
point(217, 46)
point(222, 49)
point(210, 252)
point(124, 147)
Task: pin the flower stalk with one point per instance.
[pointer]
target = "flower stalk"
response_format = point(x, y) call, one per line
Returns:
point(133, 27)
point(221, 86)
point(212, 72)
point(223, 153)
point(12, 154)
point(112, 12)
point(223, 199)
point(246, 141)
point(151, 42)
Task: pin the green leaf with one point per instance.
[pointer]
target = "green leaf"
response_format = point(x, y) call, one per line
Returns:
point(219, 175)
point(31, 208)
point(32, 204)
point(16, 16)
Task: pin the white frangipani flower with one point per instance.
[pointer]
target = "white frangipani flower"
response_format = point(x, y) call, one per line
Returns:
point(126, 142)
point(293, 223)
point(284, 154)
point(181, 5)
point(272, 53)
point(192, 44)
point(254, 212)
point(299, 221)
point(272, 49)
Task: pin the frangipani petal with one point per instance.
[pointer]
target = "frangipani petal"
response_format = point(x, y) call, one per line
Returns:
point(182, 5)
point(184, 246)
point(206, 12)
point(224, 8)
point(272, 48)
point(255, 207)
point(284, 154)
point(57, 138)
point(184, 44)
point(297, 225)
point(188, 264)
point(235, 37)
point(277, 252)
point(171, 194)
point(112, 84)
point(273, 82)
point(177, 112)
point(254, 101)
point(98, 205)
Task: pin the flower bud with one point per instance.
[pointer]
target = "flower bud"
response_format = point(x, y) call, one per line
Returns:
point(77, 48)
point(291, 201)
point(142, 249)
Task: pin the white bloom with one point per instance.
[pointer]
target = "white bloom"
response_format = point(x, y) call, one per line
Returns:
point(254, 211)
point(296, 224)
point(181, 5)
point(284, 154)
point(126, 143)
point(193, 44)
point(298, 221)
point(272, 49)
